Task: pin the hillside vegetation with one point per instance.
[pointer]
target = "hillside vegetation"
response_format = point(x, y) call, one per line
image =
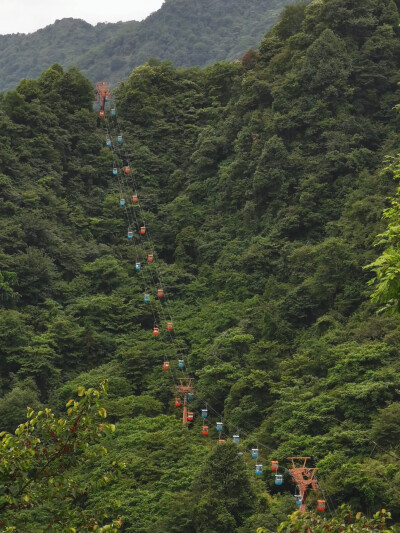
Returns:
point(263, 184)
point(186, 32)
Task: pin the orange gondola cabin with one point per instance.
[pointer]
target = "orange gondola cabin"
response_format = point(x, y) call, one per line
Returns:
point(274, 466)
point(321, 505)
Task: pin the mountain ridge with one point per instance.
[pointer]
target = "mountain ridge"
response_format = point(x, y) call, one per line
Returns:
point(188, 33)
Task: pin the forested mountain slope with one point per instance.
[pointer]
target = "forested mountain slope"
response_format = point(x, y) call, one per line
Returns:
point(263, 185)
point(186, 32)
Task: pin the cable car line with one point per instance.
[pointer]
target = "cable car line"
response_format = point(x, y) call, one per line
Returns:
point(303, 476)
point(122, 148)
point(133, 222)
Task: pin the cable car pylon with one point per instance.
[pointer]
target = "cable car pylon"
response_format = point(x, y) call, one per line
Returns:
point(185, 388)
point(103, 91)
point(305, 479)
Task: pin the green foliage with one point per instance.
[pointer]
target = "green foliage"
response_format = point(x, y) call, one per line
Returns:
point(224, 493)
point(13, 404)
point(262, 189)
point(386, 283)
point(290, 20)
point(344, 521)
point(38, 462)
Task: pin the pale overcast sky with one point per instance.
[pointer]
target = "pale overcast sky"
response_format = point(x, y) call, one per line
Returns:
point(26, 16)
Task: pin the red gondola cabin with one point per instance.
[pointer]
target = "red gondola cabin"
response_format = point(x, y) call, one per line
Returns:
point(143, 230)
point(178, 402)
point(166, 365)
point(127, 169)
point(190, 416)
point(101, 113)
point(134, 198)
point(205, 430)
point(156, 331)
point(321, 505)
point(274, 466)
point(150, 258)
point(169, 326)
point(160, 293)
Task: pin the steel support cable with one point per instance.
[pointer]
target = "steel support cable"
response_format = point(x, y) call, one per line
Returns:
point(147, 236)
point(131, 224)
point(133, 207)
point(122, 186)
point(126, 157)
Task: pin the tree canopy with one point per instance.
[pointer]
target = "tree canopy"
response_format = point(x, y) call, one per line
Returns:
point(262, 184)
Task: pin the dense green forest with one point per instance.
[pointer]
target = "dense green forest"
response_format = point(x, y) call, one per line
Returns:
point(263, 184)
point(186, 32)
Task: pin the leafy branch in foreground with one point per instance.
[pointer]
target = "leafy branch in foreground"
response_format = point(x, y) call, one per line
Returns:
point(386, 282)
point(39, 481)
point(344, 521)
